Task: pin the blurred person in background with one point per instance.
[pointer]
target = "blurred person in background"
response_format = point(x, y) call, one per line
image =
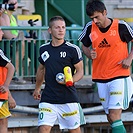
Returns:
point(7, 19)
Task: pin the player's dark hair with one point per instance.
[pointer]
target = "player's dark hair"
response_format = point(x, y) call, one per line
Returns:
point(94, 6)
point(5, 1)
point(55, 18)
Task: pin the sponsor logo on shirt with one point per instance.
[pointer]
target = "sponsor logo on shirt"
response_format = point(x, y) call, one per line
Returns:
point(104, 43)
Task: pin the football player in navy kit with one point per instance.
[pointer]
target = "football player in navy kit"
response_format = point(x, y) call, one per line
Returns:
point(57, 101)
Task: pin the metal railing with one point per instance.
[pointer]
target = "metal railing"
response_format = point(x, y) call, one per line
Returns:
point(28, 66)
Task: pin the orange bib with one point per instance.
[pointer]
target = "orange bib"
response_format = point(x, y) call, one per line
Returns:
point(110, 51)
point(3, 73)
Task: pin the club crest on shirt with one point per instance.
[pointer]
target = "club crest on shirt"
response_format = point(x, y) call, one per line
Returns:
point(45, 56)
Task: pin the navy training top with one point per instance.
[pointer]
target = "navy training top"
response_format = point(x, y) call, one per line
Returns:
point(55, 58)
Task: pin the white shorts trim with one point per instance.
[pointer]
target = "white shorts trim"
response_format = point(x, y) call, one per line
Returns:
point(66, 115)
point(116, 94)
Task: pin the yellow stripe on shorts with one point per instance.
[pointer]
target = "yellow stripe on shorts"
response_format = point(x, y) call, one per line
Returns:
point(116, 93)
point(102, 99)
point(45, 110)
point(70, 114)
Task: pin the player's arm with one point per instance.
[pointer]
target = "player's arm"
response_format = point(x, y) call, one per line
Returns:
point(90, 53)
point(39, 80)
point(40, 76)
point(79, 71)
point(10, 73)
point(11, 101)
point(85, 39)
point(126, 36)
point(126, 63)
